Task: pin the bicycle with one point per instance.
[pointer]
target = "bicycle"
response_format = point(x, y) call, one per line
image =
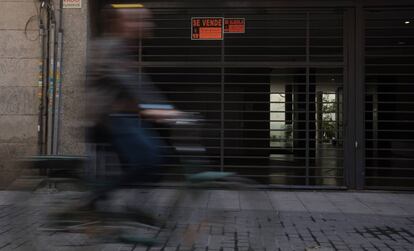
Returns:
point(128, 227)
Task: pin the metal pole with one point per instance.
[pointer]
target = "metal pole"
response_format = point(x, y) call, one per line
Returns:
point(58, 79)
point(307, 97)
point(42, 88)
point(45, 24)
point(51, 89)
point(349, 99)
point(360, 96)
point(57, 97)
point(222, 124)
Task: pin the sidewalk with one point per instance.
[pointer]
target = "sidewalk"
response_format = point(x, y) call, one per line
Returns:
point(254, 220)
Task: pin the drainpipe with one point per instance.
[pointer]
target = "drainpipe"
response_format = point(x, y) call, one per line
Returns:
point(42, 85)
point(47, 37)
point(50, 82)
point(50, 87)
point(58, 84)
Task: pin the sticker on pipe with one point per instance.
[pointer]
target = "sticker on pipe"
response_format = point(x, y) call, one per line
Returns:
point(234, 25)
point(207, 28)
point(72, 4)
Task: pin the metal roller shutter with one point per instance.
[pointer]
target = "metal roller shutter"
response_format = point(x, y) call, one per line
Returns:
point(389, 100)
point(273, 97)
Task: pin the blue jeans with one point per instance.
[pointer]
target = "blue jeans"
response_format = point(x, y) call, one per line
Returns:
point(138, 152)
point(136, 146)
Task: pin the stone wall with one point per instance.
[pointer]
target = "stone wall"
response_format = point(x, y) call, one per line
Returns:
point(73, 76)
point(19, 72)
point(20, 58)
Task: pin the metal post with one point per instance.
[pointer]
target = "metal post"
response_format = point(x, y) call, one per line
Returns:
point(349, 100)
point(222, 108)
point(51, 89)
point(57, 95)
point(45, 27)
point(360, 96)
point(307, 95)
point(58, 84)
point(42, 89)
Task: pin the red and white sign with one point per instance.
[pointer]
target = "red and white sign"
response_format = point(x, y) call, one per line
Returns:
point(207, 28)
point(234, 25)
point(72, 4)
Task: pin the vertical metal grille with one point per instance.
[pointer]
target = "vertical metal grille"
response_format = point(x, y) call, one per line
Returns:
point(272, 97)
point(389, 100)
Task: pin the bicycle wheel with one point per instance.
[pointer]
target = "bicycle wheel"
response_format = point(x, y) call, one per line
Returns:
point(208, 215)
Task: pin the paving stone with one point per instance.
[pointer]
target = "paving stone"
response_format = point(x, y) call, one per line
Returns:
point(334, 224)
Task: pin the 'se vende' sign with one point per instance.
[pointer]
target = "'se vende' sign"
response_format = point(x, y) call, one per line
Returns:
point(207, 28)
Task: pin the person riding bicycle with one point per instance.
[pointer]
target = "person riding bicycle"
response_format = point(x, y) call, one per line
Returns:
point(123, 104)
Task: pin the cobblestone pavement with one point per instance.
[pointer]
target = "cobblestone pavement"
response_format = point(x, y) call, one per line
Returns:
point(235, 220)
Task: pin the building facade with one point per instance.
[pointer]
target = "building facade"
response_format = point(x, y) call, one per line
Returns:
point(25, 32)
point(310, 94)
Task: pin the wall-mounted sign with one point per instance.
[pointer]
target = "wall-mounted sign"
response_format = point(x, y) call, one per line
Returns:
point(207, 28)
point(72, 4)
point(234, 25)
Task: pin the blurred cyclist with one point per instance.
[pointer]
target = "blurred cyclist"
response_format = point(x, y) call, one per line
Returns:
point(123, 104)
